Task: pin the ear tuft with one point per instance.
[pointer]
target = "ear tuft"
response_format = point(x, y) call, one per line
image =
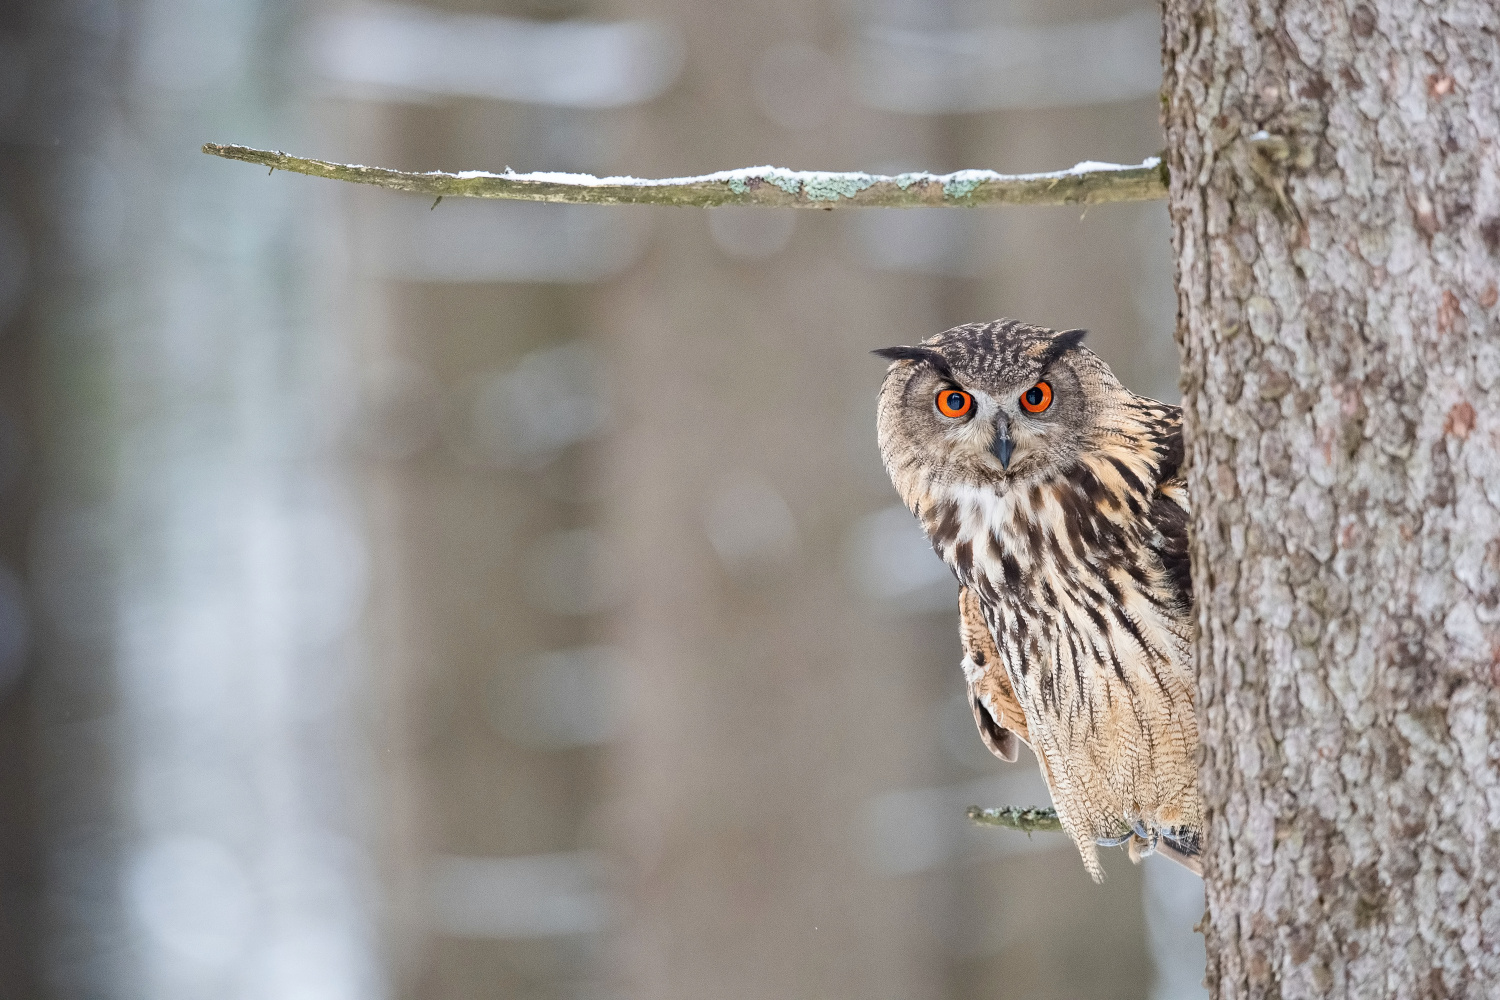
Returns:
point(1068, 339)
point(921, 354)
point(1048, 351)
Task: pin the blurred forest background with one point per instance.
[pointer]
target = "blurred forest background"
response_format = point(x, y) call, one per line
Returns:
point(506, 600)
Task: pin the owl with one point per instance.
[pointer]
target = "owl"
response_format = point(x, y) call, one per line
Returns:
point(1054, 495)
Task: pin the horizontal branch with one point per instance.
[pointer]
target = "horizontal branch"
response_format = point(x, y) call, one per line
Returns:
point(1016, 818)
point(1085, 184)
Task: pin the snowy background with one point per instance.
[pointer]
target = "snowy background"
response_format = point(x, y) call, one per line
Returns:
point(506, 600)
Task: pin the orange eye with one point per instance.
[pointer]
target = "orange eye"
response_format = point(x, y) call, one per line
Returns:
point(1037, 398)
point(954, 403)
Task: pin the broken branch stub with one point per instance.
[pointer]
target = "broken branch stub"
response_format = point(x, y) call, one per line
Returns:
point(1017, 818)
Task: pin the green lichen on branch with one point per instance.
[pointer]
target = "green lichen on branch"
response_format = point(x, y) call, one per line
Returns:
point(1016, 818)
point(1084, 184)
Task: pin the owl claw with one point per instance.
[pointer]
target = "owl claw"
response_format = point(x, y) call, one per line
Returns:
point(1113, 841)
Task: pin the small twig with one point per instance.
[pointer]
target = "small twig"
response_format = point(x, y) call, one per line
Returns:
point(1087, 183)
point(1016, 818)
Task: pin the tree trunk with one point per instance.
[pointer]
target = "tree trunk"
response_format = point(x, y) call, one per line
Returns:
point(1335, 200)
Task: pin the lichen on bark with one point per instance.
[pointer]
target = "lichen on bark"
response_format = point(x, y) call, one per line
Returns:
point(1335, 202)
point(1027, 819)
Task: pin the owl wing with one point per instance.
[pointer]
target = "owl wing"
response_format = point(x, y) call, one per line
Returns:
point(1170, 512)
point(997, 712)
point(1168, 517)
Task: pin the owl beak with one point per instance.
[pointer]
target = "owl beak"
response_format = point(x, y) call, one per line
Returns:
point(1003, 445)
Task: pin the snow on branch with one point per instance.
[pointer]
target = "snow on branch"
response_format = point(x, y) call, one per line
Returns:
point(1017, 818)
point(1084, 184)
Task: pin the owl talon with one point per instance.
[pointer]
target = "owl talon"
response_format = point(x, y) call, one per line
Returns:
point(1114, 841)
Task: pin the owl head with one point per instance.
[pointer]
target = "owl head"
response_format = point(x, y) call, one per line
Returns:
point(994, 405)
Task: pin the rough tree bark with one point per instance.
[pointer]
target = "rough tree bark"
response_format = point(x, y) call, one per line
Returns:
point(1335, 200)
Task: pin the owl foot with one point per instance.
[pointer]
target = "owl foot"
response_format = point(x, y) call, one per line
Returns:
point(1143, 842)
point(1177, 844)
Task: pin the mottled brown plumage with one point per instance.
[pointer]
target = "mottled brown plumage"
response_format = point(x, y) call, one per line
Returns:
point(997, 712)
point(1053, 493)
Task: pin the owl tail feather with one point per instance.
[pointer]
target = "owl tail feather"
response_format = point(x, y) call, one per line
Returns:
point(1082, 839)
point(1088, 851)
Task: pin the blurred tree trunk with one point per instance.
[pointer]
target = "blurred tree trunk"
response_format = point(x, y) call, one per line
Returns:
point(27, 223)
point(1335, 203)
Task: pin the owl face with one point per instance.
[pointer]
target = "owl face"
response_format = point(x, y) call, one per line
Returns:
point(994, 404)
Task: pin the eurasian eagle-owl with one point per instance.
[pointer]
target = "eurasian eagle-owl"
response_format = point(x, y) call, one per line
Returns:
point(1054, 495)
